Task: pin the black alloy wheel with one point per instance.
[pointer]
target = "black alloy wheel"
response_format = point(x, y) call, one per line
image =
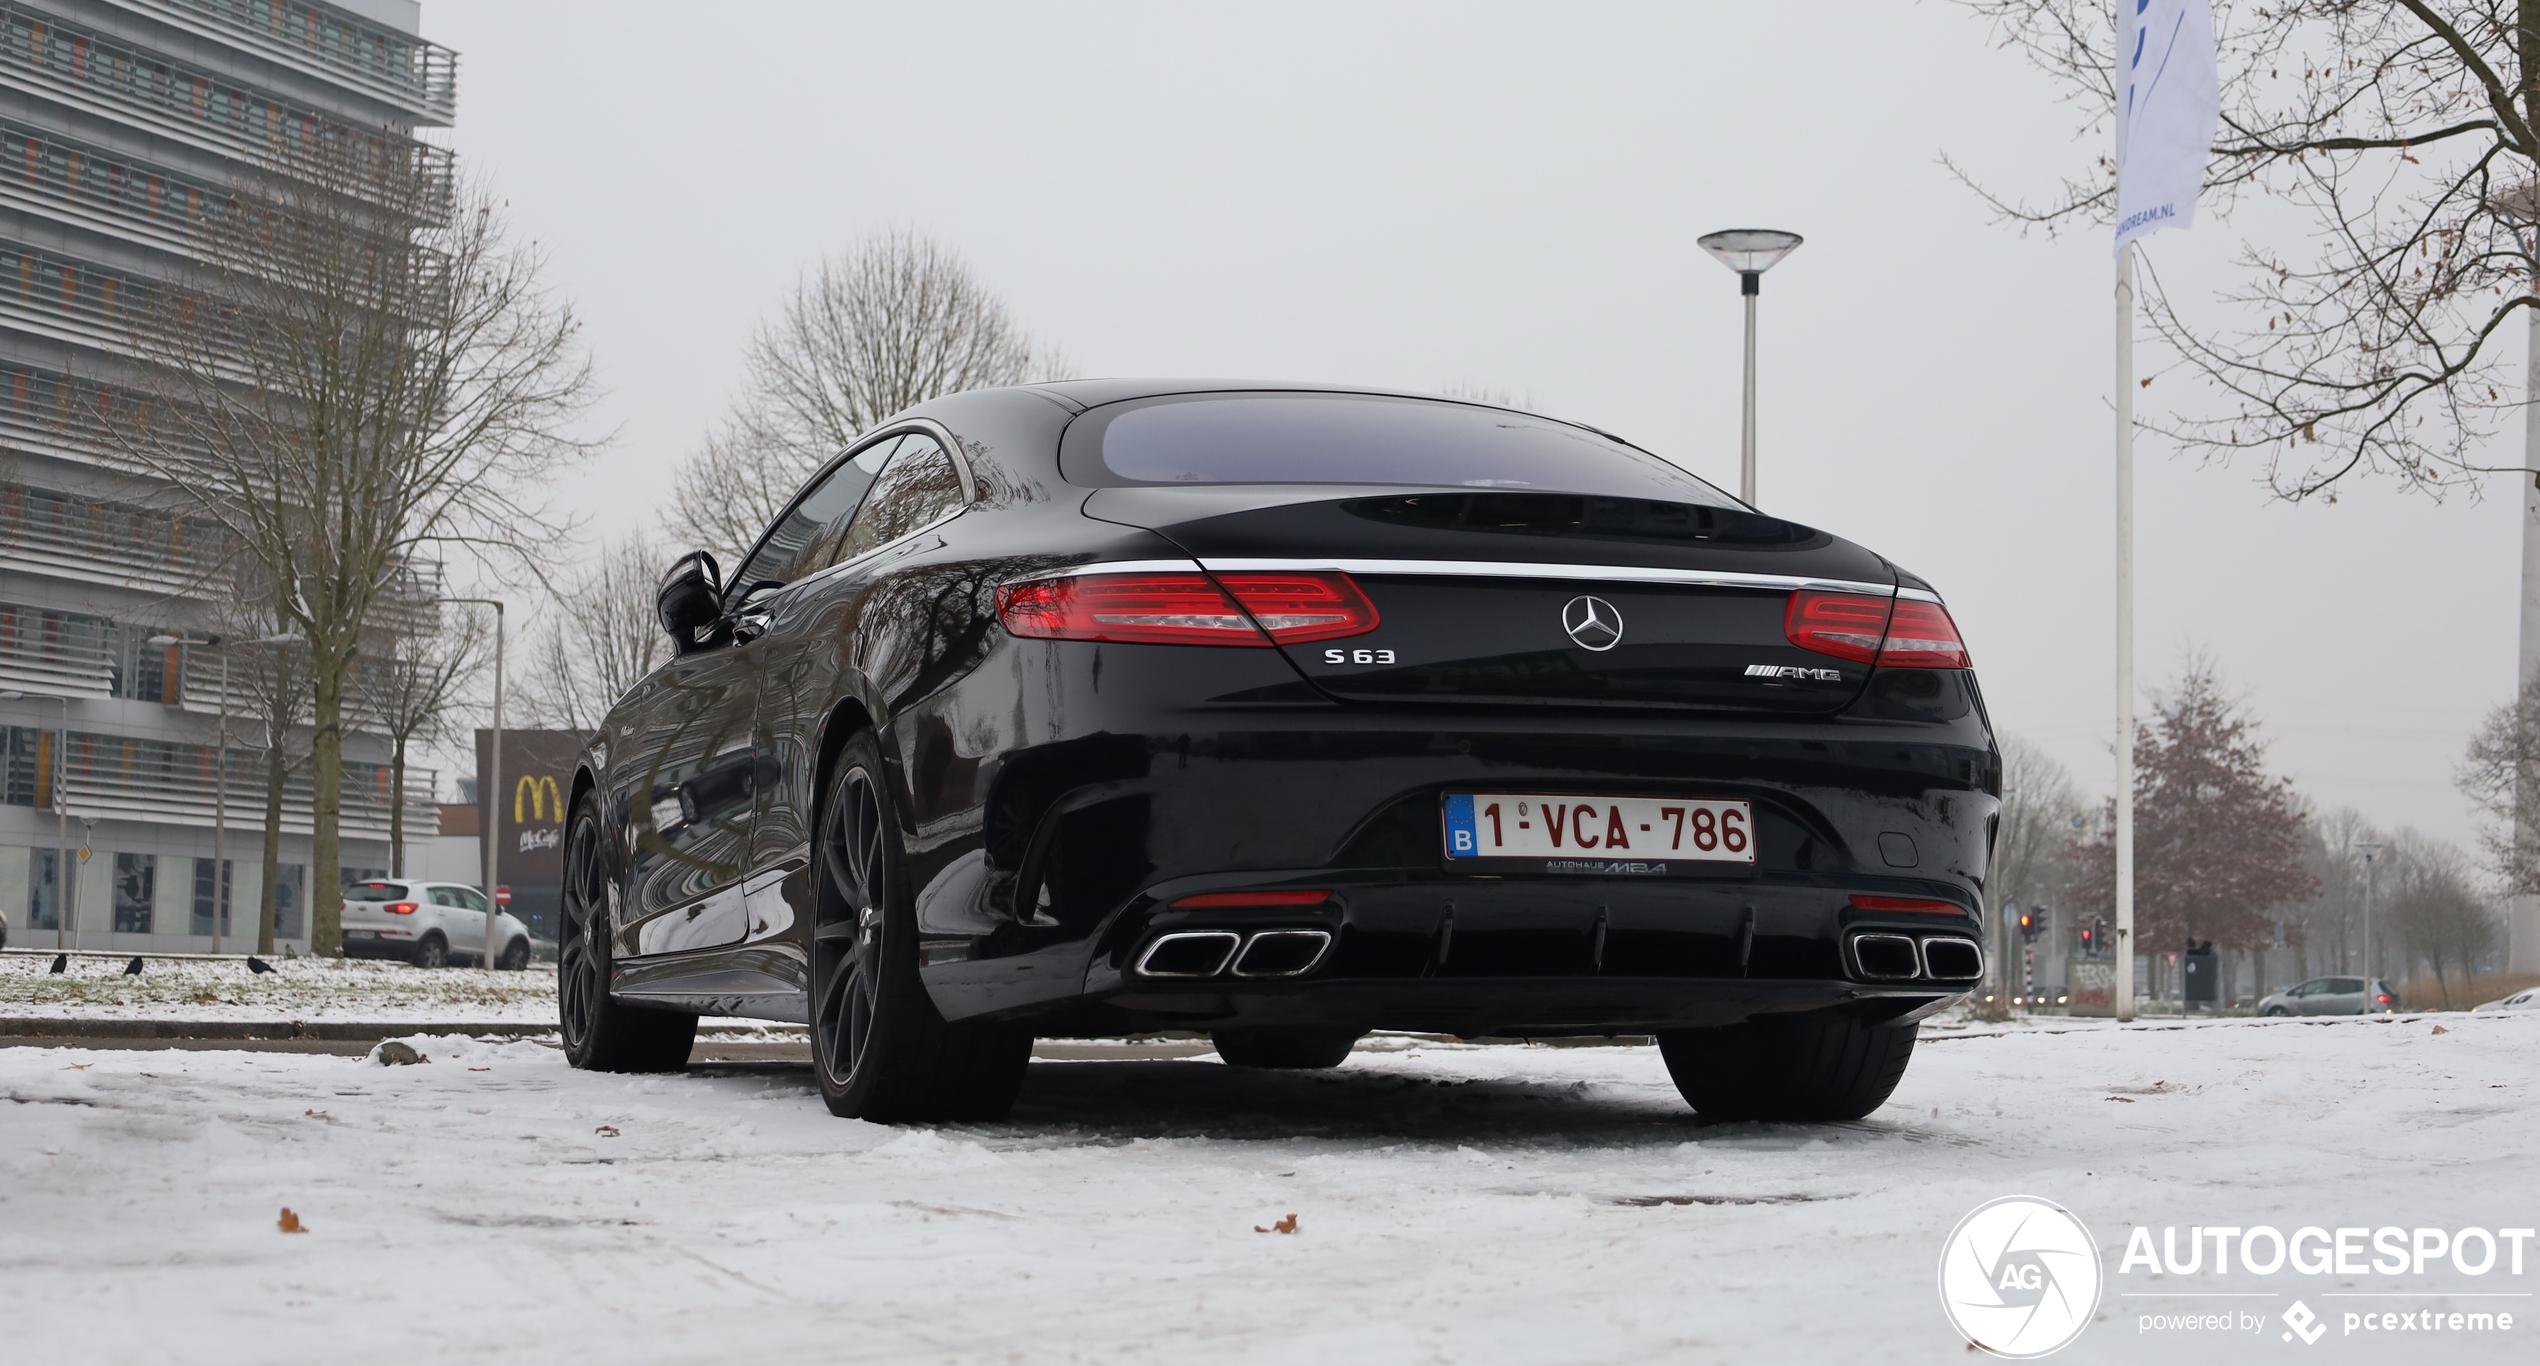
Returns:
point(880, 1050)
point(432, 952)
point(600, 1034)
point(1814, 1067)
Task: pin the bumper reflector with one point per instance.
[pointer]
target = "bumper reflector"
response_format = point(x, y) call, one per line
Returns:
point(1920, 905)
point(1218, 901)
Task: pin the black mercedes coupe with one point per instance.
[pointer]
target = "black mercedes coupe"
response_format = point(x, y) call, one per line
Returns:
point(1283, 714)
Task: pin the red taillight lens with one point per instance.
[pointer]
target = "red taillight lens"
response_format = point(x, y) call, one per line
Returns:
point(399, 908)
point(1149, 609)
point(1296, 608)
point(2382, 999)
point(1206, 901)
point(1846, 625)
point(1920, 905)
point(1921, 636)
point(1903, 633)
point(1188, 609)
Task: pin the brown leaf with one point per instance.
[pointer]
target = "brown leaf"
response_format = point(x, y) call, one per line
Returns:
point(2122, 1100)
point(606, 1131)
point(318, 1114)
point(2441, 1030)
point(1287, 1225)
point(289, 1222)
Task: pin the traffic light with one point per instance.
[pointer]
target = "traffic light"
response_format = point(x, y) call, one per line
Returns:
point(2089, 938)
point(2032, 923)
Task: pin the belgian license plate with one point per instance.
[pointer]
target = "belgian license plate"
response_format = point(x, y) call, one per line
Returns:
point(361, 934)
point(1570, 833)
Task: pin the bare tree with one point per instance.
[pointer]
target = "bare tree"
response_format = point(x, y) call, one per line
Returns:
point(364, 365)
point(2032, 844)
point(897, 320)
point(600, 638)
point(2442, 919)
point(2399, 133)
point(2501, 774)
point(415, 672)
point(2331, 918)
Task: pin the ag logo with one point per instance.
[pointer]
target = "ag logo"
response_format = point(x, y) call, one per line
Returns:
point(2020, 1277)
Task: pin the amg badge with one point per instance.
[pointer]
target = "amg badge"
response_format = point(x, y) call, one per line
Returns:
point(1793, 671)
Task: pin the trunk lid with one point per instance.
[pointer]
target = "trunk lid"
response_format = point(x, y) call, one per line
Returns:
point(1535, 599)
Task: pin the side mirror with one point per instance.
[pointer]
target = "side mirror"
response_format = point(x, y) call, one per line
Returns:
point(691, 602)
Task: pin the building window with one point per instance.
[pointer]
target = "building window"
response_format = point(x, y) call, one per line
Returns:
point(136, 892)
point(207, 896)
point(18, 771)
point(44, 889)
point(290, 897)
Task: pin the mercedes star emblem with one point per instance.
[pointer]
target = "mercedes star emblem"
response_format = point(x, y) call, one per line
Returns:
point(1593, 623)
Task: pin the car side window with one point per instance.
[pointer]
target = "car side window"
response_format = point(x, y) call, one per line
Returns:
point(2347, 986)
point(442, 896)
point(917, 487)
point(802, 539)
point(467, 898)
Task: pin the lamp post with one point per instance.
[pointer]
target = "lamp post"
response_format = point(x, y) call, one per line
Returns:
point(1750, 252)
point(220, 766)
point(489, 785)
point(2367, 848)
point(61, 813)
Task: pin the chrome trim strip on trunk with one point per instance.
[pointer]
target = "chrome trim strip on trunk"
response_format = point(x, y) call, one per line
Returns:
point(1509, 569)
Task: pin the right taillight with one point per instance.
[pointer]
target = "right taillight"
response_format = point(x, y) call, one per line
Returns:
point(399, 908)
point(1904, 633)
point(1188, 608)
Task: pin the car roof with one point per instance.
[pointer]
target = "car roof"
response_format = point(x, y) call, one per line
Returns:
point(1093, 393)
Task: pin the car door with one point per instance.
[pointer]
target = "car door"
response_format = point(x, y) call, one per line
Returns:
point(2345, 996)
point(817, 632)
point(465, 933)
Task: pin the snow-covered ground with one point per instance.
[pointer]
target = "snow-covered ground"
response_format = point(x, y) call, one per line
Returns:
point(1453, 1203)
point(307, 989)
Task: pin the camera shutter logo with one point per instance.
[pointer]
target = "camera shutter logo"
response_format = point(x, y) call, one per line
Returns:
point(2020, 1277)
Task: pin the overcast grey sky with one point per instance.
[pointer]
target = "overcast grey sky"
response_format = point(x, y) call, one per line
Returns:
point(1422, 195)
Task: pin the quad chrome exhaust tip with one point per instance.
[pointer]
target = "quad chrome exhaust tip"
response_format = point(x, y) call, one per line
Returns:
point(1904, 957)
point(1260, 955)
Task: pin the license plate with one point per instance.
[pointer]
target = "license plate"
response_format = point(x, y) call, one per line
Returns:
point(1571, 833)
point(361, 934)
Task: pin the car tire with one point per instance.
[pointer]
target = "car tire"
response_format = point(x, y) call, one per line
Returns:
point(2274, 1013)
point(880, 1050)
point(1816, 1067)
point(515, 956)
point(1282, 1049)
point(432, 951)
point(600, 1033)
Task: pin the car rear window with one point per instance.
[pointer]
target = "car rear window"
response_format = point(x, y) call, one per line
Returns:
point(1362, 439)
point(376, 891)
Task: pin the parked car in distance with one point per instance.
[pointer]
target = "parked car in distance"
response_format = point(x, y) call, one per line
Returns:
point(2526, 999)
point(428, 924)
point(2332, 996)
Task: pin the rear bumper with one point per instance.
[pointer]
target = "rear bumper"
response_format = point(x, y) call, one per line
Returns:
point(1529, 1007)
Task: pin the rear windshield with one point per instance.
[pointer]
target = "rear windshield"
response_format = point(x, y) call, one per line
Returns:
point(1360, 439)
point(376, 891)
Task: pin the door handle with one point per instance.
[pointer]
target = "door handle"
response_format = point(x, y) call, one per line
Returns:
point(750, 626)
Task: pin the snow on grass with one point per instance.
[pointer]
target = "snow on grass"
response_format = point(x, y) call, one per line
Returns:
point(1453, 1203)
point(297, 989)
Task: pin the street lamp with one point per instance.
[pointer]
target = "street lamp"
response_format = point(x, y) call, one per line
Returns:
point(2367, 848)
point(1750, 252)
point(220, 767)
point(489, 789)
point(61, 812)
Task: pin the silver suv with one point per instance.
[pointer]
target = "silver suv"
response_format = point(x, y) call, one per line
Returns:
point(2333, 996)
point(428, 924)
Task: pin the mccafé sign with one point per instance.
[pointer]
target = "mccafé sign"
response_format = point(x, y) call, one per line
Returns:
point(538, 811)
point(524, 817)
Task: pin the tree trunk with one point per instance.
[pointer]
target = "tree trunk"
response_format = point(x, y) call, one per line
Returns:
point(326, 810)
point(397, 808)
point(275, 771)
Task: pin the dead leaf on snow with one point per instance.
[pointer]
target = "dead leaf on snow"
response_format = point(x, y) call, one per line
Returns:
point(606, 1131)
point(317, 1114)
point(289, 1222)
point(2441, 1030)
point(2122, 1100)
point(1287, 1225)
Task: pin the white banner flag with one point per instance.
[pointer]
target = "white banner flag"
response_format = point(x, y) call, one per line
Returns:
point(2169, 101)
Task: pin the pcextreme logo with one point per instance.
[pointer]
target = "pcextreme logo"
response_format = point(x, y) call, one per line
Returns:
point(531, 798)
point(2019, 1277)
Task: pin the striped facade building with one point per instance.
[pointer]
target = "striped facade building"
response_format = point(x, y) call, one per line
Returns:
point(122, 122)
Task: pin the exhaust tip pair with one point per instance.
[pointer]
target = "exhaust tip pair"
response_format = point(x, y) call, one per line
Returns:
point(1258, 954)
point(1905, 957)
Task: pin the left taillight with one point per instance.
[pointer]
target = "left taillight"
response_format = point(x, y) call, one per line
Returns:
point(1188, 608)
point(1901, 633)
point(399, 908)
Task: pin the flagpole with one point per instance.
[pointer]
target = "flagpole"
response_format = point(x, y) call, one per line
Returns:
point(2123, 835)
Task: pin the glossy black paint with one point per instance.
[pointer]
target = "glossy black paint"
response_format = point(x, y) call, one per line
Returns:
point(1058, 795)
